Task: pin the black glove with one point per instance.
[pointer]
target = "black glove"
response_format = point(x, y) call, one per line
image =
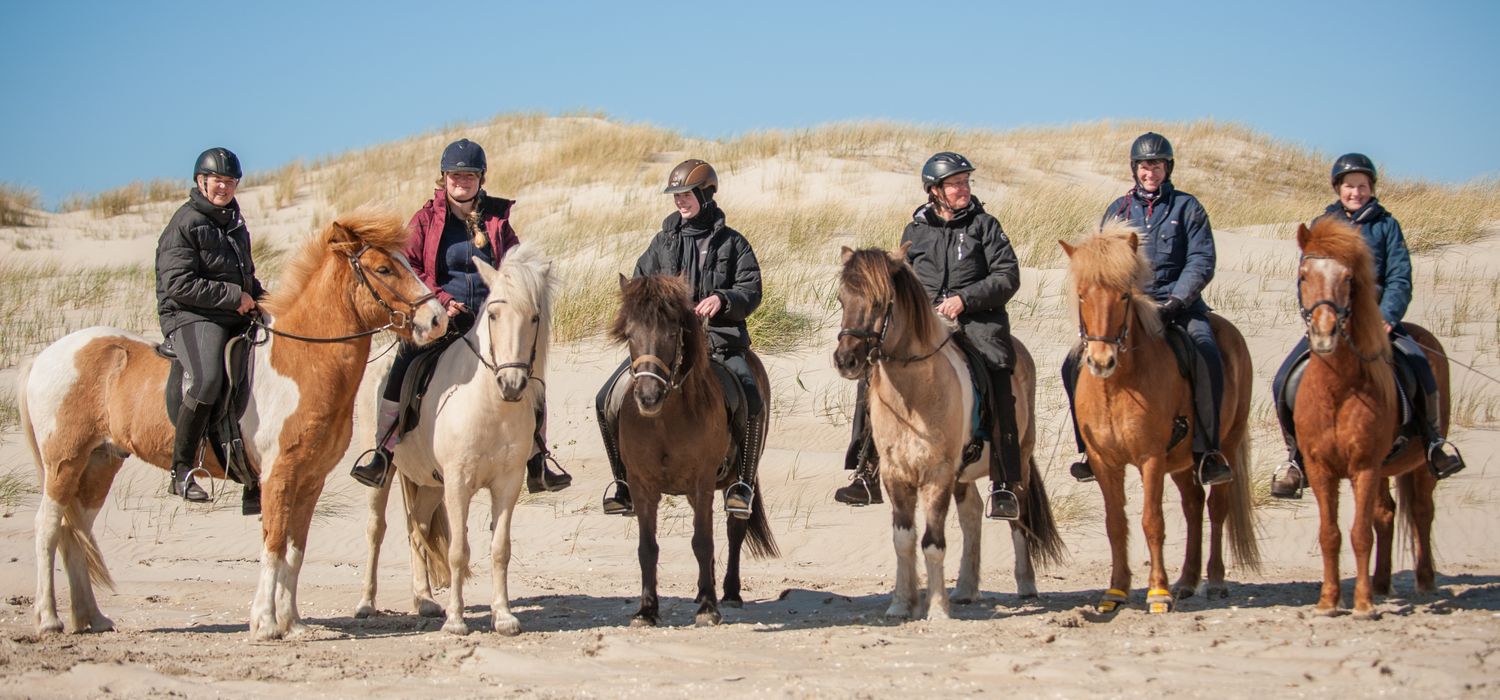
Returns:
point(1172, 309)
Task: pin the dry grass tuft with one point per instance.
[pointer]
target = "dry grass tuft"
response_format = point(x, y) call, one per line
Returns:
point(17, 205)
point(122, 199)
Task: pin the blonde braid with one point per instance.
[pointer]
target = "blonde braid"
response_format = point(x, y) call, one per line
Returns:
point(480, 239)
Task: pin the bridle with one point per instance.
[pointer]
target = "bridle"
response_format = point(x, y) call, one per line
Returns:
point(1120, 339)
point(674, 376)
point(875, 341)
point(496, 368)
point(398, 320)
point(1341, 316)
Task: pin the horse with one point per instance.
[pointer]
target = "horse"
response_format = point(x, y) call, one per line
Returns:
point(475, 432)
point(893, 336)
point(97, 396)
point(1128, 406)
point(674, 437)
point(1347, 416)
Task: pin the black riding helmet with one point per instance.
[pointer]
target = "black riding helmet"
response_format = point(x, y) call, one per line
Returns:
point(218, 161)
point(696, 176)
point(463, 156)
point(942, 166)
point(1352, 163)
point(1151, 146)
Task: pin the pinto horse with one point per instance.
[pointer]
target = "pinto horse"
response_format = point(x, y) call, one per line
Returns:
point(892, 335)
point(1347, 416)
point(96, 396)
point(1127, 404)
point(476, 432)
point(674, 437)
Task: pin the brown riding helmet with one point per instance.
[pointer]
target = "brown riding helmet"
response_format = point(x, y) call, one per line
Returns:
point(692, 174)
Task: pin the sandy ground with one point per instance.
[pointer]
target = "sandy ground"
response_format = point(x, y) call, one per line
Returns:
point(813, 625)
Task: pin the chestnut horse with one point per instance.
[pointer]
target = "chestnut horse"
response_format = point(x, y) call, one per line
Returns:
point(674, 436)
point(476, 433)
point(1347, 415)
point(96, 396)
point(1126, 405)
point(922, 417)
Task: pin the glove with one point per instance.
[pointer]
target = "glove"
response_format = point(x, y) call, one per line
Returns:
point(1172, 309)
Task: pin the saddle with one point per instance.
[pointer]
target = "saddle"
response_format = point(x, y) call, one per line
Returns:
point(980, 380)
point(223, 434)
point(418, 377)
point(1407, 386)
point(736, 402)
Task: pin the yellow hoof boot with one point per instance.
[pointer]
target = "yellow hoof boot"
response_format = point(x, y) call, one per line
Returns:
point(1112, 600)
point(1159, 600)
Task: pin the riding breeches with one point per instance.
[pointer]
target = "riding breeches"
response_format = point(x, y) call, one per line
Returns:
point(200, 349)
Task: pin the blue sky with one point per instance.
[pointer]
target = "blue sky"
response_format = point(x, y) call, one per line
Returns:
point(98, 94)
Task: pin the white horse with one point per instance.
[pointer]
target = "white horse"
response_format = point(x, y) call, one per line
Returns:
point(476, 431)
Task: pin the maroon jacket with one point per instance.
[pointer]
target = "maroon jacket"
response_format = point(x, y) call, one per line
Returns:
point(426, 228)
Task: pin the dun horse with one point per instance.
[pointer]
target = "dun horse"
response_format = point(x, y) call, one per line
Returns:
point(96, 396)
point(1127, 403)
point(920, 430)
point(674, 435)
point(475, 432)
point(1347, 416)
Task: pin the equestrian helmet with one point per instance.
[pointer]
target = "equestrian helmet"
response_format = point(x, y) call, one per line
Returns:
point(1352, 163)
point(218, 161)
point(693, 174)
point(463, 156)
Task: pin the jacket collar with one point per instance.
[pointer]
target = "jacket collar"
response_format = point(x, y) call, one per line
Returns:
point(223, 217)
point(927, 215)
point(1366, 214)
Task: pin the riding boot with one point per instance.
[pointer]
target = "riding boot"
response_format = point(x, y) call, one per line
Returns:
point(1005, 452)
point(864, 486)
point(374, 466)
point(192, 423)
point(747, 432)
point(1289, 479)
point(617, 494)
point(1212, 467)
point(540, 477)
point(1080, 469)
point(1443, 458)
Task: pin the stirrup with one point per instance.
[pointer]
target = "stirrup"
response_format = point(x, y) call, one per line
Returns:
point(1288, 473)
point(546, 480)
point(858, 493)
point(1207, 479)
point(1444, 465)
point(364, 472)
point(618, 505)
point(188, 488)
point(1003, 504)
point(739, 498)
point(1082, 471)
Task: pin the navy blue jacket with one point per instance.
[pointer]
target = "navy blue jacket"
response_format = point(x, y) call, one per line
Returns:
point(1176, 239)
point(1392, 261)
point(968, 256)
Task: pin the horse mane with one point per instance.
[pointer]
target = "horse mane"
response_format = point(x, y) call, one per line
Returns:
point(382, 230)
point(1331, 238)
point(526, 282)
point(1106, 259)
point(662, 301)
point(871, 273)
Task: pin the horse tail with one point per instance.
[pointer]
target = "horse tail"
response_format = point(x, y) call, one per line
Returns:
point(80, 538)
point(432, 538)
point(762, 544)
point(26, 428)
point(1038, 525)
point(1244, 539)
point(1406, 512)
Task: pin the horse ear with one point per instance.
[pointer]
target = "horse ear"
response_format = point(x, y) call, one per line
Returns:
point(1303, 234)
point(1067, 248)
point(900, 256)
point(485, 271)
point(341, 233)
point(1135, 242)
point(623, 281)
point(845, 252)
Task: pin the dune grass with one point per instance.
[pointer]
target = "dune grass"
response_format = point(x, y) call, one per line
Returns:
point(122, 200)
point(17, 204)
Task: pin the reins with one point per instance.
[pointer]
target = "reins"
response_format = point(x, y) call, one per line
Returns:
point(876, 341)
point(399, 320)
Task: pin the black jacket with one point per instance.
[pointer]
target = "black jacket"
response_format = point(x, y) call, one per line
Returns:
point(968, 256)
point(730, 270)
point(203, 264)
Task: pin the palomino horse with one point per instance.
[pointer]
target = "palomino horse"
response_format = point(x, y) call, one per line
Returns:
point(1126, 404)
point(96, 396)
point(476, 432)
point(893, 336)
point(1347, 415)
point(674, 435)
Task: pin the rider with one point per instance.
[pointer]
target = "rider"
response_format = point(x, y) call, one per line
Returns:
point(461, 222)
point(206, 290)
point(967, 265)
point(1353, 179)
point(1178, 242)
point(720, 265)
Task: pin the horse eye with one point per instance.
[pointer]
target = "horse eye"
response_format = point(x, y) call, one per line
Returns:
point(536, 318)
point(384, 269)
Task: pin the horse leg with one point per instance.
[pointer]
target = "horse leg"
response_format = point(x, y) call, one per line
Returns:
point(1422, 512)
point(904, 536)
point(1192, 498)
point(92, 492)
point(647, 551)
point(1362, 537)
point(456, 497)
point(1326, 488)
point(935, 547)
point(423, 504)
point(1219, 504)
point(970, 507)
point(49, 530)
point(274, 524)
point(374, 536)
point(1385, 526)
point(1153, 523)
point(1112, 485)
point(503, 495)
point(702, 503)
point(737, 528)
point(287, 616)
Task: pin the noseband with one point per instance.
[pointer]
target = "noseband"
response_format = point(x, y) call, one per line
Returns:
point(496, 368)
point(1341, 316)
point(673, 378)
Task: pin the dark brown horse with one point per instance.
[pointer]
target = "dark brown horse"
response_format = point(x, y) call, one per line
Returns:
point(674, 435)
point(1347, 416)
point(1126, 406)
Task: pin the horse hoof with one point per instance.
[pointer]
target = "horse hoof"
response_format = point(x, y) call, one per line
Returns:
point(898, 613)
point(642, 621)
point(428, 608)
point(456, 627)
point(707, 619)
point(962, 598)
point(507, 626)
point(1159, 600)
point(735, 603)
point(50, 627)
point(938, 614)
point(1329, 611)
point(266, 633)
point(1216, 592)
point(1183, 591)
point(364, 611)
point(1112, 600)
point(102, 624)
point(296, 630)
point(1370, 614)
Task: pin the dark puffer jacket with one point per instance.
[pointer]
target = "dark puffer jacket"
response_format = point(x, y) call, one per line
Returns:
point(1388, 245)
point(729, 270)
point(203, 265)
point(968, 256)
